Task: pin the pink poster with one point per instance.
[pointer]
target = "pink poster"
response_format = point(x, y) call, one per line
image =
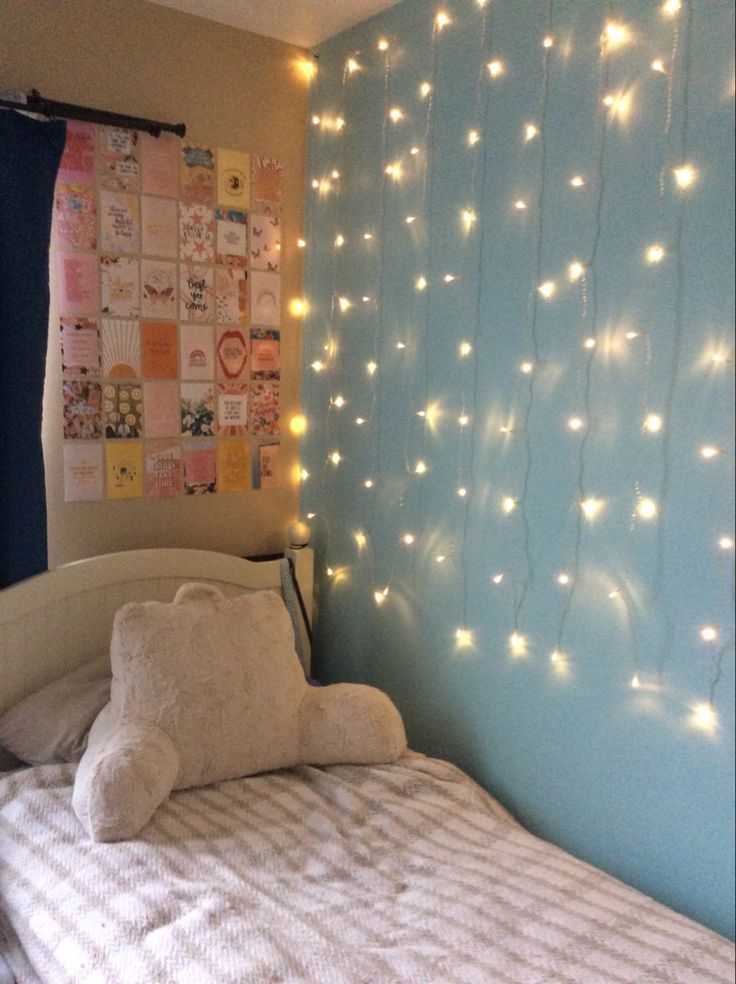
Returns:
point(231, 354)
point(264, 408)
point(197, 352)
point(159, 231)
point(78, 161)
point(83, 474)
point(196, 232)
point(231, 295)
point(162, 468)
point(82, 410)
point(80, 347)
point(265, 353)
point(160, 174)
point(75, 216)
point(163, 412)
point(200, 469)
point(79, 291)
point(119, 165)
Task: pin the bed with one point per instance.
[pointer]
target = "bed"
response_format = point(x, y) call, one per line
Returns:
point(336, 875)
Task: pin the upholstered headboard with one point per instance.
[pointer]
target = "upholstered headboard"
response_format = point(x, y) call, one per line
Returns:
point(55, 622)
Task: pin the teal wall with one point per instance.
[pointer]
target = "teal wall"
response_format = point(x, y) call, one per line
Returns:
point(625, 776)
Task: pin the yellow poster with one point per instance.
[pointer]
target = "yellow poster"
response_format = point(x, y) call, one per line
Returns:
point(233, 466)
point(124, 470)
point(233, 178)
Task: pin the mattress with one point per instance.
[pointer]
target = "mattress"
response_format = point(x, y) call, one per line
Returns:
point(341, 875)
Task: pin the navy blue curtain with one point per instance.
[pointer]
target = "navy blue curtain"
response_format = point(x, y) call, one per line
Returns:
point(30, 152)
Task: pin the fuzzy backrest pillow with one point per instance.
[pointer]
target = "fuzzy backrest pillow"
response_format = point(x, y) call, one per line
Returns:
point(209, 688)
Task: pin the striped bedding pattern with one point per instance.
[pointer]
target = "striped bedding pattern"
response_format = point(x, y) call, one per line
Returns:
point(344, 875)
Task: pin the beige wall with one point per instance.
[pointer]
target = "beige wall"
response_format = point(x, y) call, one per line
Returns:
point(232, 89)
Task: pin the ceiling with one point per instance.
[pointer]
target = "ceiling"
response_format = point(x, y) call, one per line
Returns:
point(302, 22)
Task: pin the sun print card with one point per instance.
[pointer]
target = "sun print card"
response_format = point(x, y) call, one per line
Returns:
point(80, 347)
point(265, 299)
point(78, 160)
point(163, 412)
point(122, 405)
point(124, 469)
point(197, 174)
point(158, 289)
point(118, 158)
point(83, 474)
point(231, 292)
point(264, 408)
point(233, 466)
point(197, 350)
point(75, 216)
point(200, 469)
point(121, 348)
point(265, 353)
point(267, 178)
point(120, 228)
point(197, 293)
point(265, 243)
point(159, 350)
point(231, 354)
point(79, 285)
point(82, 410)
point(159, 227)
point(197, 409)
point(232, 409)
point(160, 164)
point(196, 232)
point(232, 237)
point(120, 282)
point(233, 178)
point(163, 468)
point(269, 466)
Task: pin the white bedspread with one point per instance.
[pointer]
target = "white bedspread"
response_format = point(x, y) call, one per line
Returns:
point(346, 875)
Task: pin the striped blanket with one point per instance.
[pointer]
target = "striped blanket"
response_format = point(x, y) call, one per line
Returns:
point(344, 875)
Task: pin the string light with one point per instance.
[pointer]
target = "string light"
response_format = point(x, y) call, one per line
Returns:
point(469, 219)
point(298, 307)
point(360, 421)
point(421, 283)
point(615, 35)
point(473, 137)
point(508, 504)
point(709, 633)
point(630, 335)
point(527, 368)
point(339, 402)
point(368, 483)
point(361, 539)
point(380, 596)
point(311, 515)
point(548, 42)
point(414, 151)
point(329, 571)
point(394, 171)
point(497, 578)
point(353, 66)
point(339, 123)
point(335, 175)
point(420, 468)
point(442, 20)
point(303, 475)
point(400, 346)
point(382, 44)
point(463, 420)
point(408, 539)
point(703, 717)
point(440, 559)
point(635, 682)
point(658, 66)
point(318, 365)
point(367, 236)
point(578, 181)
point(548, 289)
point(465, 349)
point(531, 131)
point(709, 452)
point(462, 491)
point(575, 271)
point(517, 644)
point(520, 205)
point(301, 243)
point(576, 423)
point(410, 219)
point(371, 368)
point(646, 509)
point(335, 457)
point(653, 423)
point(557, 656)
point(496, 68)
point(564, 579)
point(464, 638)
point(424, 89)
point(591, 508)
point(345, 304)
point(685, 176)
point(396, 114)
point(315, 183)
point(316, 120)
point(339, 241)
point(671, 8)
point(726, 543)
point(655, 254)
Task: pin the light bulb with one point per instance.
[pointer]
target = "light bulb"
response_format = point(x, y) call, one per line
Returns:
point(563, 578)
point(496, 68)
point(339, 123)
point(424, 89)
point(709, 633)
point(615, 34)
point(318, 365)
point(316, 120)
point(497, 578)
point(576, 271)
point(531, 130)
point(726, 543)
point(365, 299)
point(383, 44)
point(709, 452)
point(469, 219)
point(671, 8)
point(635, 682)
point(339, 241)
point(465, 349)
point(336, 175)
point(464, 638)
point(420, 468)
point(329, 571)
point(335, 457)
point(353, 66)
point(473, 137)
point(616, 593)
point(646, 509)
point(609, 100)
point(578, 181)
point(368, 483)
point(655, 254)
point(462, 491)
point(301, 243)
point(408, 539)
point(517, 644)
point(547, 289)
point(380, 596)
point(361, 539)
point(410, 218)
point(449, 278)
point(548, 42)
point(414, 151)
point(591, 508)
point(442, 20)
point(298, 307)
point(520, 205)
point(400, 346)
point(557, 656)
point(508, 504)
point(394, 170)
point(371, 368)
point(367, 235)
point(421, 283)
point(345, 304)
point(315, 183)
point(631, 335)
point(653, 423)
point(658, 66)
point(703, 717)
point(311, 515)
point(463, 420)
point(527, 368)
point(685, 176)
point(339, 401)
point(440, 559)
point(360, 421)
point(576, 423)
point(395, 114)
point(304, 475)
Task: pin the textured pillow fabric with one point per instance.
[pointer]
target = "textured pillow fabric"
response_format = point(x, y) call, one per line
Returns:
point(207, 689)
point(51, 726)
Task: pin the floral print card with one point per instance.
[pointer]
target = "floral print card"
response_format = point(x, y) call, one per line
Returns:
point(82, 410)
point(197, 401)
point(265, 353)
point(264, 408)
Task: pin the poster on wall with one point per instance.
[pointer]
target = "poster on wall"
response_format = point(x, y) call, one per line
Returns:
point(169, 297)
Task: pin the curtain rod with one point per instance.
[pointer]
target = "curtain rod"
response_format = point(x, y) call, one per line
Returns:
point(36, 103)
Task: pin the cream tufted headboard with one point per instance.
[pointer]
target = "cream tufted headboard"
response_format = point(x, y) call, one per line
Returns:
point(52, 623)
